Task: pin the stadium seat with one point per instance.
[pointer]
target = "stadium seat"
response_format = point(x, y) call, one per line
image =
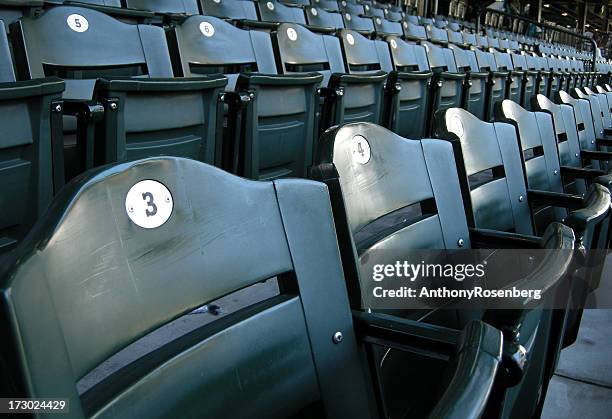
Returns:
point(530, 79)
point(384, 27)
point(275, 12)
point(475, 89)
point(353, 91)
point(312, 365)
point(274, 130)
point(600, 109)
point(318, 18)
point(399, 195)
point(538, 144)
point(447, 83)
point(352, 7)
point(497, 82)
point(363, 25)
point(409, 107)
point(31, 166)
point(503, 61)
point(414, 32)
point(127, 103)
point(331, 5)
point(230, 9)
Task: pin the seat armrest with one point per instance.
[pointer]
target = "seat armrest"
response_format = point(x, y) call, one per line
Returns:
point(473, 371)
point(494, 239)
point(128, 84)
point(30, 88)
point(446, 75)
point(400, 75)
point(581, 173)
point(601, 142)
point(279, 80)
point(596, 206)
point(555, 199)
point(597, 155)
point(341, 78)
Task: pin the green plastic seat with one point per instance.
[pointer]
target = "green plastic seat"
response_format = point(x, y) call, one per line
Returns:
point(318, 18)
point(600, 112)
point(292, 354)
point(363, 25)
point(352, 90)
point(120, 85)
point(373, 11)
point(414, 31)
point(274, 12)
point(229, 9)
point(273, 131)
point(448, 84)
point(351, 7)
point(497, 83)
point(503, 62)
point(384, 27)
point(476, 93)
point(530, 79)
point(401, 195)
point(437, 35)
point(28, 154)
point(543, 170)
point(408, 108)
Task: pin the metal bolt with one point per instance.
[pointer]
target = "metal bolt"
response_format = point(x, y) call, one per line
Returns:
point(337, 338)
point(252, 95)
point(222, 97)
point(555, 172)
point(521, 198)
point(592, 141)
point(113, 106)
point(439, 84)
point(460, 243)
point(577, 155)
point(58, 108)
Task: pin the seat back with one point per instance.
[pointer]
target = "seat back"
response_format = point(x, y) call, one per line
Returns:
point(447, 88)
point(363, 25)
point(277, 136)
point(454, 37)
point(490, 171)
point(414, 77)
point(132, 280)
point(58, 43)
point(390, 192)
point(530, 79)
point(326, 4)
point(567, 138)
point(188, 7)
point(27, 162)
point(383, 27)
point(274, 11)
point(437, 35)
point(538, 144)
point(142, 117)
point(414, 31)
point(227, 50)
point(475, 92)
point(309, 51)
point(320, 18)
point(229, 9)
point(584, 120)
point(352, 7)
point(603, 107)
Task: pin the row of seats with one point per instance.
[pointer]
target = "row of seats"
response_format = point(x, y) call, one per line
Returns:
point(259, 119)
point(289, 224)
point(435, 179)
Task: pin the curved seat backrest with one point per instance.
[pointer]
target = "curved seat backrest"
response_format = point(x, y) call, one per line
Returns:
point(383, 26)
point(358, 23)
point(226, 49)
point(414, 31)
point(331, 5)
point(584, 120)
point(7, 73)
point(52, 47)
point(604, 108)
point(229, 9)
point(124, 281)
point(538, 144)
point(490, 170)
point(393, 193)
point(308, 52)
point(321, 18)
point(363, 55)
point(275, 11)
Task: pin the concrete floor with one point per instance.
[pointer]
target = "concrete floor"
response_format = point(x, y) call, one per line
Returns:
point(582, 385)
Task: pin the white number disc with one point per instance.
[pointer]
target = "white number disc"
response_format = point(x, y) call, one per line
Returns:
point(378, 21)
point(77, 23)
point(314, 11)
point(207, 29)
point(149, 204)
point(291, 34)
point(405, 24)
point(393, 43)
point(350, 39)
point(270, 5)
point(361, 149)
point(347, 16)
